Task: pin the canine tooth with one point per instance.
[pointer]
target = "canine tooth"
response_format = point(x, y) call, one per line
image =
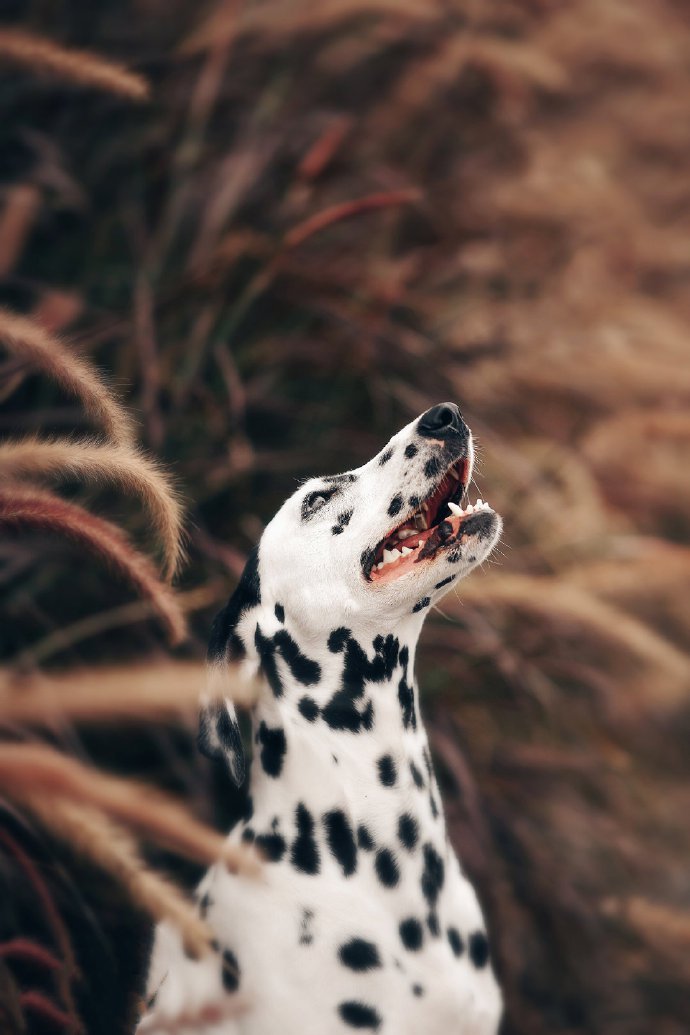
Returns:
point(406, 550)
point(454, 474)
point(387, 557)
point(455, 509)
point(425, 507)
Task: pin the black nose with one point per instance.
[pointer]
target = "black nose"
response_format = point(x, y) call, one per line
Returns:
point(442, 421)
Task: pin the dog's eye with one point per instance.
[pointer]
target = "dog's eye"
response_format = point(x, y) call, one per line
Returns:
point(315, 500)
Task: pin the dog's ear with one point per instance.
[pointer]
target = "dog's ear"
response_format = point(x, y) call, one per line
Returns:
point(219, 732)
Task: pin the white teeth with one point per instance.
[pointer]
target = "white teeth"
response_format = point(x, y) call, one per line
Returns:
point(387, 557)
point(455, 509)
point(479, 503)
point(405, 533)
point(395, 554)
point(425, 507)
point(406, 550)
point(469, 509)
point(454, 474)
point(423, 522)
point(379, 566)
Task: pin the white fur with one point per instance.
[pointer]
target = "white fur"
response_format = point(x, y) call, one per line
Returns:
point(292, 988)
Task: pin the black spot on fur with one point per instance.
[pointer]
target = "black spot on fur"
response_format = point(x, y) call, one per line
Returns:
point(341, 712)
point(406, 701)
point(421, 604)
point(302, 668)
point(358, 954)
point(433, 466)
point(395, 505)
point(432, 805)
point(453, 556)
point(306, 936)
point(417, 990)
point(305, 852)
point(224, 640)
point(386, 868)
point(445, 582)
point(480, 524)
point(479, 949)
point(274, 746)
point(417, 776)
point(385, 457)
point(341, 840)
point(308, 708)
point(410, 451)
point(248, 835)
point(455, 941)
point(338, 639)
point(414, 501)
point(387, 770)
point(231, 971)
point(279, 611)
point(364, 838)
point(433, 874)
point(204, 905)
point(359, 1015)
point(272, 845)
point(411, 934)
point(433, 924)
point(358, 670)
point(343, 521)
point(408, 831)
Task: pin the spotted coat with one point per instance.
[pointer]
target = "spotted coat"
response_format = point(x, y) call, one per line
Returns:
point(363, 918)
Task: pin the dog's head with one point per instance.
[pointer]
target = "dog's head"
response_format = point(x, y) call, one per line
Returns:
point(369, 547)
point(375, 542)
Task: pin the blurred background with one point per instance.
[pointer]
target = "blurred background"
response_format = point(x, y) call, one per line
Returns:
point(281, 230)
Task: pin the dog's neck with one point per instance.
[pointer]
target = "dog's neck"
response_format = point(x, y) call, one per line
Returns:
point(338, 721)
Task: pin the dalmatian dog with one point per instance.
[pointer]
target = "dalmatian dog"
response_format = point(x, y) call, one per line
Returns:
point(363, 918)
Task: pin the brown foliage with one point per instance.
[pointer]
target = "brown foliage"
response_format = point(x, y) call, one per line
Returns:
point(542, 278)
point(43, 57)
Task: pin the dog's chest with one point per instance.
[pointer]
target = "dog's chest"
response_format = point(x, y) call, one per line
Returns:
point(363, 908)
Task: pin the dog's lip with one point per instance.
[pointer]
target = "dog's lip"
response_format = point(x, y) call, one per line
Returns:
point(450, 487)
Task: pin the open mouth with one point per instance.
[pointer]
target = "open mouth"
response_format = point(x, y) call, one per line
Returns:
point(438, 523)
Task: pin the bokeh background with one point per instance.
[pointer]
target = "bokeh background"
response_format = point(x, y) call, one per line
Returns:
point(281, 230)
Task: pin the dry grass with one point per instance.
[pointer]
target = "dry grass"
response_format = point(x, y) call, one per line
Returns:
point(145, 692)
point(31, 510)
point(43, 57)
point(107, 464)
point(540, 274)
point(28, 341)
